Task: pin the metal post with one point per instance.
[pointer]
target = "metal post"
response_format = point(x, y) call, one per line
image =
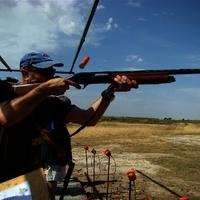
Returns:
point(86, 158)
point(94, 153)
point(108, 153)
point(82, 40)
point(67, 178)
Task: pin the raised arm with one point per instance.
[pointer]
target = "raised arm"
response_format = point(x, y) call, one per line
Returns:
point(80, 116)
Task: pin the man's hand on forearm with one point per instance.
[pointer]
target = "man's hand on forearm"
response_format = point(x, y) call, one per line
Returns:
point(123, 84)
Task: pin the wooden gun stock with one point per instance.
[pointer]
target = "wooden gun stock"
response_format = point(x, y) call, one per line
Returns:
point(149, 78)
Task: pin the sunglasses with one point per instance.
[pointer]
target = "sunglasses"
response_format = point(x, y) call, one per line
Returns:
point(45, 72)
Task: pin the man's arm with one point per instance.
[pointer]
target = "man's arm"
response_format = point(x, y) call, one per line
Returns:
point(17, 109)
point(80, 116)
point(13, 111)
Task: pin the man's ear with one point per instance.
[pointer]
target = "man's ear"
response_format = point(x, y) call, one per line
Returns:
point(25, 74)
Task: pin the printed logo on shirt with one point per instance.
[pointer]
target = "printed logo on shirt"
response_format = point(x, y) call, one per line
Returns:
point(36, 141)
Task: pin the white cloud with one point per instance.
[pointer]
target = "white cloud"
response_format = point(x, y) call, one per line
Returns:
point(139, 60)
point(195, 57)
point(132, 69)
point(96, 44)
point(141, 19)
point(134, 4)
point(100, 7)
point(115, 25)
point(47, 26)
point(109, 24)
point(135, 58)
point(193, 60)
point(195, 92)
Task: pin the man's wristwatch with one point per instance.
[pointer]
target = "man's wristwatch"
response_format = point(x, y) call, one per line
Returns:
point(107, 98)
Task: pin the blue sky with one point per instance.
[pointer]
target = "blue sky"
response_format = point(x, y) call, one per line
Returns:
point(124, 35)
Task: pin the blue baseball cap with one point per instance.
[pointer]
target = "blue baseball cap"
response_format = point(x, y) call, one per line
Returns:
point(39, 60)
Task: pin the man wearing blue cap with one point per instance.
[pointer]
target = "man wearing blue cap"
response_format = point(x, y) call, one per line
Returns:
point(22, 117)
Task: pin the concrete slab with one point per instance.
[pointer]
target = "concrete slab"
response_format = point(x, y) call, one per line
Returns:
point(74, 190)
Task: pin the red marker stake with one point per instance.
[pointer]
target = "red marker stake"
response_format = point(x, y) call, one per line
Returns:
point(86, 159)
point(108, 154)
point(131, 175)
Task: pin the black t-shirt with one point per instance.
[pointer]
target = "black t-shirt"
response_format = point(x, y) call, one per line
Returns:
point(20, 144)
point(61, 136)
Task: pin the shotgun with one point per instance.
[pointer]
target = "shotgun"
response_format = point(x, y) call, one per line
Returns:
point(107, 77)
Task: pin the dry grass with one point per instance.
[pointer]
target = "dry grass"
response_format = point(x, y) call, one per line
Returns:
point(173, 147)
point(126, 128)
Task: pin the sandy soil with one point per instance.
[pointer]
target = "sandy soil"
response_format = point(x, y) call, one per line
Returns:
point(95, 170)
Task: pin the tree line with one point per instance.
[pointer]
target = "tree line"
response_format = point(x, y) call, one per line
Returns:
point(145, 120)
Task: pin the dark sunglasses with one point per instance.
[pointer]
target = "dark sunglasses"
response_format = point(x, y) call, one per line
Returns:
point(44, 72)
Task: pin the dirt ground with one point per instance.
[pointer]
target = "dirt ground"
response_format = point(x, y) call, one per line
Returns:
point(104, 177)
